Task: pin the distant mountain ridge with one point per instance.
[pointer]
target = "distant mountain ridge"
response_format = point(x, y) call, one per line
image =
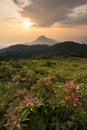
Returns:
point(42, 40)
point(66, 49)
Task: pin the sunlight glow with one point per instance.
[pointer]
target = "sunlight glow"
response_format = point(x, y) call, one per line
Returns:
point(27, 24)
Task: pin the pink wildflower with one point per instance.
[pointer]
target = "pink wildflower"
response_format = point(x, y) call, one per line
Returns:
point(15, 120)
point(73, 99)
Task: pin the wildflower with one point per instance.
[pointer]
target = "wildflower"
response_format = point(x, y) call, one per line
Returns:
point(50, 77)
point(21, 92)
point(15, 120)
point(69, 85)
point(73, 99)
point(73, 93)
point(77, 89)
point(23, 79)
point(29, 102)
point(16, 77)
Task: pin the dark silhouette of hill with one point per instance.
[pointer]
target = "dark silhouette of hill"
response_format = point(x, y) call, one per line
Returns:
point(66, 49)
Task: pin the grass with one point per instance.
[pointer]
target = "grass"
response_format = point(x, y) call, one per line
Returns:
point(43, 94)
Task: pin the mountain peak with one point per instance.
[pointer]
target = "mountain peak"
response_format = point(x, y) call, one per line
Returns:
point(42, 37)
point(44, 40)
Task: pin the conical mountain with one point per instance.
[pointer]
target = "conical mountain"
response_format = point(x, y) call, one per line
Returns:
point(43, 40)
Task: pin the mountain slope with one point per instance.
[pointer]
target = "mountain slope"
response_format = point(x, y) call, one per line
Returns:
point(43, 40)
point(67, 48)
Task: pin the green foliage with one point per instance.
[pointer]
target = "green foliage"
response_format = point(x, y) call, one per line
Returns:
point(43, 94)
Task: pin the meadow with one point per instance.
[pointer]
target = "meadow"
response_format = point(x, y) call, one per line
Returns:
point(43, 94)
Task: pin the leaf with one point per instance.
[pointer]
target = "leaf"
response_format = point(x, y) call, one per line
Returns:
point(25, 113)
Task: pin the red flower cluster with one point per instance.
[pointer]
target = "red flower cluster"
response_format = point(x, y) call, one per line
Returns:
point(73, 93)
point(15, 120)
point(28, 102)
point(19, 78)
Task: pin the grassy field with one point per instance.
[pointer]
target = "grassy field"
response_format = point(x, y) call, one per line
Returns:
point(43, 94)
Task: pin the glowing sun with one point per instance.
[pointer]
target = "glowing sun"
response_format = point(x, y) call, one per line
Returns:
point(27, 24)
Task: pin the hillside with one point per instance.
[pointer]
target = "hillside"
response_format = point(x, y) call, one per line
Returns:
point(43, 94)
point(67, 48)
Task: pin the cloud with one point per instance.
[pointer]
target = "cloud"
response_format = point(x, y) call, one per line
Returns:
point(78, 16)
point(20, 3)
point(46, 13)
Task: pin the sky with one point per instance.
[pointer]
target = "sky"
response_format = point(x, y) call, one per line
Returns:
point(24, 20)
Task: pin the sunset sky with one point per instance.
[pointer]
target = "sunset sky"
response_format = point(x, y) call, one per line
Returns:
point(25, 20)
